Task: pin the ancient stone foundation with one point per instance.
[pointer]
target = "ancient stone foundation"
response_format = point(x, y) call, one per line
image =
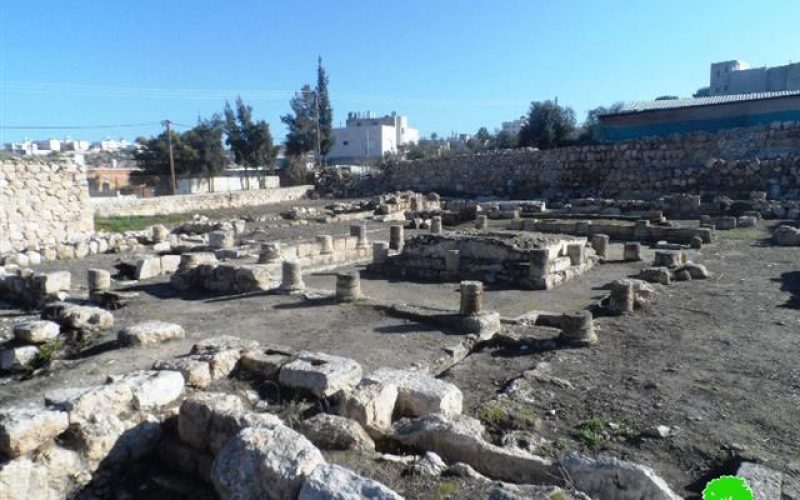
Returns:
point(527, 260)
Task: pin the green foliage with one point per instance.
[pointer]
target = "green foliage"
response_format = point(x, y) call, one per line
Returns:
point(251, 142)
point(296, 172)
point(590, 431)
point(549, 125)
point(198, 151)
point(727, 488)
point(447, 489)
point(47, 353)
point(702, 92)
point(325, 111)
point(593, 119)
point(301, 123)
point(135, 222)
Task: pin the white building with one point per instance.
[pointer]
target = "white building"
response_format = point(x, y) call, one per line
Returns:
point(514, 126)
point(365, 137)
point(113, 145)
point(737, 77)
point(49, 146)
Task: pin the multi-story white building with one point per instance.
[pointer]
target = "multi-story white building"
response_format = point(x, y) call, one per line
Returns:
point(113, 145)
point(49, 146)
point(736, 77)
point(365, 137)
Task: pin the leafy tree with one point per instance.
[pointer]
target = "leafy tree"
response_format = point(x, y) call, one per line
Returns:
point(251, 142)
point(296, 172)
point(198, 151)
point(548, 125)
point(302, 123)
point(702, 92)
point(593, 119)
point(481, 141)
point(325, 112)
point(505, 140)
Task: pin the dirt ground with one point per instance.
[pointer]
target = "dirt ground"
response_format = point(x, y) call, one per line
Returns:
point(714, 360)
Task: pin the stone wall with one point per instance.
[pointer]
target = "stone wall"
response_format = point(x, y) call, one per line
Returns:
point(42, 203)
point(119, 207)
point(732, 163)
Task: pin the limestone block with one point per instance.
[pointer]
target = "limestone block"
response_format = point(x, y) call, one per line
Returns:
point(329, 481)
point(371, 404)
point(655, 275)
point(763, 481)
point(322, 374)
point(221, 239)
point(16, 358)
point(52, 283)
point(420, 394)
point(149, 333)
point(54, 472)
point(152, 389)
point(170, 263)
point(725, 223)
point(696, 271)
point(266, 362)
point(264, 462)
point(23, 430)
point(148, 268)
point(196, 372)
point(608, 478)
point(460, 439)
point(36, 332)
point(71, 316)
point(332, 432)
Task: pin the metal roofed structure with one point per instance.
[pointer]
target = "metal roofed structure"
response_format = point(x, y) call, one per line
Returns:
point(711, 114)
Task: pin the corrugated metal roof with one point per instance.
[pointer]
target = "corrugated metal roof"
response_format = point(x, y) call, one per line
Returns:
point(638, 106)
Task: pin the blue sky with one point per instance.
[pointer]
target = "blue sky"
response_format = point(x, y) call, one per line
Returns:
point(448, 65)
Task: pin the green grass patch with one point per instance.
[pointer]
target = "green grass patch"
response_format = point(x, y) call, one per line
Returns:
point(136, 222)
point(500, 416)
point(447, 489)
point(744, 234)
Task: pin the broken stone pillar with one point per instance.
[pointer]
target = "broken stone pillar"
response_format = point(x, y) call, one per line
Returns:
point(696, 243)
point(726, 222)
point(348, 286)
point(360, 232)
point(452, 261)
point(481, 222)
point(471, 298)
point(98, 280)
point(436, 224)
point(632, 251)
point(577, 329)
point(600, 244)
point(292, 277)
point(159, 233)
point(220, 239)
point(396, 237)
point(622, 298)
point(380, 251)
point(270, 253)
point(539, 263)
point(576, 253)
point(325, 242)
point(641, 231)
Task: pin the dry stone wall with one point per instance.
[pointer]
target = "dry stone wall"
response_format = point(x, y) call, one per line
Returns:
point(42, 203)
point(120, 207)
point(731, 163)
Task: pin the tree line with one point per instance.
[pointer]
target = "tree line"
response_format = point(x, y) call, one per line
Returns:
point(200, 150)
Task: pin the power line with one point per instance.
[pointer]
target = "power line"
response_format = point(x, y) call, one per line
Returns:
point(74, 127)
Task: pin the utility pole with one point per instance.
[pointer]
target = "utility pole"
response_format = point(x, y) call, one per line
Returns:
point(167, 124)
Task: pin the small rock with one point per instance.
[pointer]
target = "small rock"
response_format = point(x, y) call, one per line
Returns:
point(333, 482)
point(23, 430)
point(322, 374)
point(150, 332)
point(332, 432)
point(16, 358)
point(36, 332)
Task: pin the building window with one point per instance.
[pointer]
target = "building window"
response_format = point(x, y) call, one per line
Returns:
point(345, 143)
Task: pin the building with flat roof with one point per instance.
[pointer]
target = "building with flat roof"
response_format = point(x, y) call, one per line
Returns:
point(365, 137)
point(737, 77)
point(710, 114)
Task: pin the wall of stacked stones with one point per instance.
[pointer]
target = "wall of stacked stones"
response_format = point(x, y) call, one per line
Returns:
point(731, 163)
point(121, 207)
point(42, 203)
